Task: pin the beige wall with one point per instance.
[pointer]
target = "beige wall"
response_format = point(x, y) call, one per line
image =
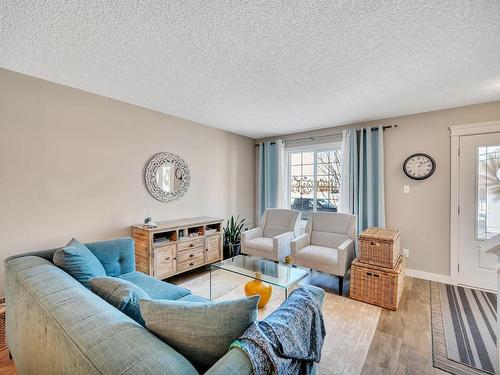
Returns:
point(71, 164)
point(423, 216)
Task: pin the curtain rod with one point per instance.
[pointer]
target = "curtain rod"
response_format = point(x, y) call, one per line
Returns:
point(330, 135)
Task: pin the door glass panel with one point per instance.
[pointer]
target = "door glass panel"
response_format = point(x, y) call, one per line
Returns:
point(488, 191)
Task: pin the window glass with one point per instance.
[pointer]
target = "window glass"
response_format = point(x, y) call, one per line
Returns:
point(314, 180)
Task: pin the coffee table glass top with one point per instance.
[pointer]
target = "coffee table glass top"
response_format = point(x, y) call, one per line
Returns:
point(278, 274)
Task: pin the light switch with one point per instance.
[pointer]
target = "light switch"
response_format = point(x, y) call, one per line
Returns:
point(406, 189)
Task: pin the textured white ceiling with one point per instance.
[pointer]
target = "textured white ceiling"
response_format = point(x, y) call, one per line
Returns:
point(261, 68)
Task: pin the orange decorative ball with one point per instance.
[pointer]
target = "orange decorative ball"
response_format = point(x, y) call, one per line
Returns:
point(257, 287)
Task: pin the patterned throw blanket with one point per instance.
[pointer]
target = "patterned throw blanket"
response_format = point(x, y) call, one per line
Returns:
point(290, 339)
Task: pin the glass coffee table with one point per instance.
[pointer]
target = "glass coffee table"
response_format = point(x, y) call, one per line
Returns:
point(277, 274)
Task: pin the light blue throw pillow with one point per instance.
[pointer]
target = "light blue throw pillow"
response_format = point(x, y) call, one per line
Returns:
point(121, 294)
point(77, 260)
point(200, 331)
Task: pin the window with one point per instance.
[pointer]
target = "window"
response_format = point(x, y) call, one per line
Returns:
point(314, 179)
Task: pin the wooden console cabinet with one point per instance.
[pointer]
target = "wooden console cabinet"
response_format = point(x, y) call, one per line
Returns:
point(177, 246)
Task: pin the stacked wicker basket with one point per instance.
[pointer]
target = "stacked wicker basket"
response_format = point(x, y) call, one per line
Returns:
point(377, 276)
point(3, 342)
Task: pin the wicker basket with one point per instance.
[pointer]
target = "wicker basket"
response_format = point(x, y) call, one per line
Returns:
point(377, 285)
point(3, 341)
point(380, 247)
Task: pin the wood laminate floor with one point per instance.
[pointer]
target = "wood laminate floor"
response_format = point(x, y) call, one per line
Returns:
point(400, 344)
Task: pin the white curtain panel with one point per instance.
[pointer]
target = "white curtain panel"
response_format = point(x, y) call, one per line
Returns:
point(345, 201)
point(282, 201)
point(381, 172)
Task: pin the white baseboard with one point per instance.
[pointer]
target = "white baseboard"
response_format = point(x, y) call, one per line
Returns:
point(429, 276)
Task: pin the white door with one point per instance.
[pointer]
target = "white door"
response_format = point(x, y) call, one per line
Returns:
point(479, 208)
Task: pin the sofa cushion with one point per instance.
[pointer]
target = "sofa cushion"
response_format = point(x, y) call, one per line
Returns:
point(156, 289)
point(116, 256)
point(77, 260)
point(193, 298)
point(260, 243)
point(201, 331)
point(121, 294)
point(317, 257)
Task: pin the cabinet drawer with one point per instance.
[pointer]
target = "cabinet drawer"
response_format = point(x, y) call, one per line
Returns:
point(189, 244)
point(191, 262)
point(192, 253)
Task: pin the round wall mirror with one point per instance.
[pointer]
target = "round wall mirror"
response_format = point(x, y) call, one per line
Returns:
point(167, 177)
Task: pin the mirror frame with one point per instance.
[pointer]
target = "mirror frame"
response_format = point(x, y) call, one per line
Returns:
point(150, 176)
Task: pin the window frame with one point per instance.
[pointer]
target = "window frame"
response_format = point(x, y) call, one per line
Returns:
point(307, 148)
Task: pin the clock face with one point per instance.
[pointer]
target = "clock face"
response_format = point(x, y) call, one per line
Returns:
point(419, 166)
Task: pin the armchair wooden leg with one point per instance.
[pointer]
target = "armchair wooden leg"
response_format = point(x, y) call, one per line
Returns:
point(341, 285)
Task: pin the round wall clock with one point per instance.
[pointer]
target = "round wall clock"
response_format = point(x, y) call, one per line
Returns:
point(419, 166)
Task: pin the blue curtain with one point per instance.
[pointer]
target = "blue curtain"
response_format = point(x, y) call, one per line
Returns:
point(366, 177)
point(268, 176)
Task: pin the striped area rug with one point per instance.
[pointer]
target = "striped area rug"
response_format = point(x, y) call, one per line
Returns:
point(464, 323)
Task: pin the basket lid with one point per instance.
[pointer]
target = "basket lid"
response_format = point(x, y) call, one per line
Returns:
point(397, 268)
point(379, 234)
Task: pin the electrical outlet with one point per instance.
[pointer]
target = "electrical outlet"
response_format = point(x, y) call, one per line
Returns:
point(406, 253)
point(406, 189)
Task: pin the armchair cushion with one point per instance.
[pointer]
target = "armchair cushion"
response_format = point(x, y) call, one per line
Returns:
point(333, 223)
point(276, 221)
point(319, 258)
point(260, 243)
point(332, 240)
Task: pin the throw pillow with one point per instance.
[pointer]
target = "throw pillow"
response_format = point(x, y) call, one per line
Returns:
point(77, 260)
point(200, 331)
point(121, 294)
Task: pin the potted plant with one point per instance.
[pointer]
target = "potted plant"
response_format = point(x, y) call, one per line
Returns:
point(232, 236)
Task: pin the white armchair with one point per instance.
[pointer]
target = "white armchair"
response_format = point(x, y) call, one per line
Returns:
point(271, 239)
point(327, 245)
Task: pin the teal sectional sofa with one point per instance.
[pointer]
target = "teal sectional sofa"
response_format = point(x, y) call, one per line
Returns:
point(57, 326)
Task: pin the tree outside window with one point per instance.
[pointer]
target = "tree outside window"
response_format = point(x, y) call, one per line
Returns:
point(315, 180)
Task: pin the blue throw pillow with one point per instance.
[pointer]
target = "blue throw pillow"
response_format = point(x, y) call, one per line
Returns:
point(77, 260)
point(200, 331)
point(121, 294)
